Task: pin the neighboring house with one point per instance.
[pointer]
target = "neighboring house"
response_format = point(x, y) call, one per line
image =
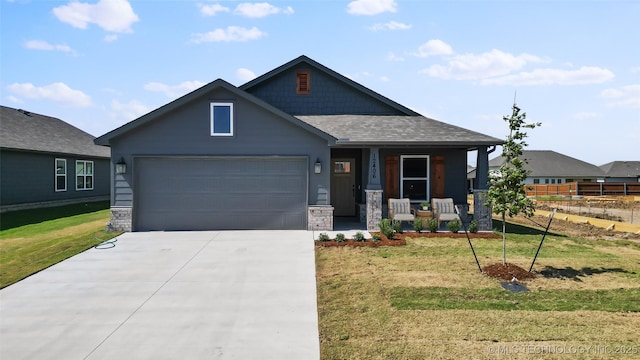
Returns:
point(289, 150)
point(550, 167)
point(621, 171)
point(45, 162)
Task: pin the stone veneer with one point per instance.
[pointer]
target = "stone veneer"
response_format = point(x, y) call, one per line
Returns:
point(482, 211)
point(374, 209)
point(320, 217)
point(121, 219)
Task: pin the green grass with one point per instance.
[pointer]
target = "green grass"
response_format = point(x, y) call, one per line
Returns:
point(440, 298)
point(40, 238)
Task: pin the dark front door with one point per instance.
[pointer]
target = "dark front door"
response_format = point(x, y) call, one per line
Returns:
point(343, 187)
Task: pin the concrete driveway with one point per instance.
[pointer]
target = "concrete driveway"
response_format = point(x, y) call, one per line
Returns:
point(170, 295)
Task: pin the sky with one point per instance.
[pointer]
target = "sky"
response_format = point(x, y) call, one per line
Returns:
point(573, 66)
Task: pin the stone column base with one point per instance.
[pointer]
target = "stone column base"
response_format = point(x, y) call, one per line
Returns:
point(121, 219)
point(320, 217)
point(481, 210)
point(374, 209)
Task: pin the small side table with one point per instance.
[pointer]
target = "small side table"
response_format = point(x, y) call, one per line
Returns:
point(424, 214)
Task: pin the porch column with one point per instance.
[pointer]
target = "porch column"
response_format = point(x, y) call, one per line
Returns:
point(374, 170)
point(374, 209)
point(481, 210)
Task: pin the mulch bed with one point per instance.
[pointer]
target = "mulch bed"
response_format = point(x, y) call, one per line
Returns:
point(400, 239)
point(507, 272)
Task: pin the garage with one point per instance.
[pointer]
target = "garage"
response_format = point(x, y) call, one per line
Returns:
point(220, 193)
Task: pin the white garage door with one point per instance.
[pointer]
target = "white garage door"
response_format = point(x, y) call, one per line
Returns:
point(216, 193)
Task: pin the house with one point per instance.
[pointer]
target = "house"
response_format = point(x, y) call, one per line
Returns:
point(550, 167)
point(45, 161)
point(621, 171)
point(291, 149)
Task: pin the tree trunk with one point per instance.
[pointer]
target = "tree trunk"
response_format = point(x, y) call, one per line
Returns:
point(504, 240)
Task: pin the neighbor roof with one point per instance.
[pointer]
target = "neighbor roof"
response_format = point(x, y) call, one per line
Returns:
point(547, 163)
point(622, 169)
point(314, 64)
point(24, 130)
point(382, 130)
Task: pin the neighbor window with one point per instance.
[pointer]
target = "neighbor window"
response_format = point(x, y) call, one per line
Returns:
point(303, 82)
point(414, 177)
point(536, 181)
point(84, 175)
point(61, 175)
point(221, 119)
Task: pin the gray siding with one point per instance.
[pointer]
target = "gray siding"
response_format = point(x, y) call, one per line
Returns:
point(186, 131)
point(29, 177)
point(328, 96)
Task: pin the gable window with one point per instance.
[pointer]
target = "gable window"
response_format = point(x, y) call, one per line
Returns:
point(84, 175)
point(303, 83)
point(61, 175)
point(221, 119)
point(414, 177)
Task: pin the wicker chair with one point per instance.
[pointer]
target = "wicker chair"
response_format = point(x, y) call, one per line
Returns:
point(400, 210)
point(444, 210)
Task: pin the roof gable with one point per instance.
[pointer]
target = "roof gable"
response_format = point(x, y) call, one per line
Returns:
point(196, 94)
point(622, 168)
point(547, 163)
point(23, 130)
point(330, 92)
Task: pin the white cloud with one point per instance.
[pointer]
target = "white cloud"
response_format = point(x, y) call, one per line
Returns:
point(258, 10)
point(111, 15)
point(245, 74)
point(371, 7)
point(434, 47)
point(584, 115)
point(231, 33)
point(393, 57)
point(43, 45)
point(58, 92)
point(211, 10)
point(391, 25)
point(128, 111)
point(174, 91)
point(482, 66)
point(626, 96)
point(584, 75)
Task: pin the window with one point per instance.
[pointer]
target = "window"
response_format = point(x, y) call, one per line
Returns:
point(342, 167)
point(84, 175)
point(303, 83)
point(536, 181)
point(221, 119)
point(414, 177)
point(61, 175)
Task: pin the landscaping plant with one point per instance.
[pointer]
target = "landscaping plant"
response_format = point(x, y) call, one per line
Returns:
point(397, 226)
point(386, 228)
point(432, 225)
point(417, 225)
point(359, 236)
point(506, 194)
point(473, 226)
point(340, 237)
point(453, 226)
point(323, 237)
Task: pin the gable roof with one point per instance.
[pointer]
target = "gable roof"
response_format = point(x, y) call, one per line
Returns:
point(547, 163)
point(622, 169)
point(24, 130)
point(341, 78)
point(219, 83)
point(381, 130)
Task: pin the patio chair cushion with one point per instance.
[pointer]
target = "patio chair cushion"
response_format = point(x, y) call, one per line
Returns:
point(444, 209)
point(400, 209)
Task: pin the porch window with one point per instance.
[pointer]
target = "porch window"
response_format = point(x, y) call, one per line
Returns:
point(414, 177)
point(221, 119)
point(61, 175)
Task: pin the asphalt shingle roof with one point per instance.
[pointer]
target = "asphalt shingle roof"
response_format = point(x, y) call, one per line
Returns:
point(547, 163)
point(622, 169)
point(396, 130)
point(23, 130)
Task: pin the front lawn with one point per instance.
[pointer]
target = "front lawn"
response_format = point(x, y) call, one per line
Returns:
point(32, 240)
point(428, 300)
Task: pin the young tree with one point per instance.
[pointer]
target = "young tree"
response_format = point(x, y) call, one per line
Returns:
point(506, 193)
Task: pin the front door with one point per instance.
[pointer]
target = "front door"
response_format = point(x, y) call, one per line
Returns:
point(343, 187)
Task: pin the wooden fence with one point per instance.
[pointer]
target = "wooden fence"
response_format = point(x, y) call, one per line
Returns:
point(584, 189)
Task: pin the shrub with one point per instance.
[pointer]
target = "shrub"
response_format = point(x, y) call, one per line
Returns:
point(432, 225)
point(397, 226)
point(375, 238)
point(473, 226)
point(323, 237)
point(453, 226)
point(339, 237)
point(359, 236)
point(417, 225)
point(386, 228)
